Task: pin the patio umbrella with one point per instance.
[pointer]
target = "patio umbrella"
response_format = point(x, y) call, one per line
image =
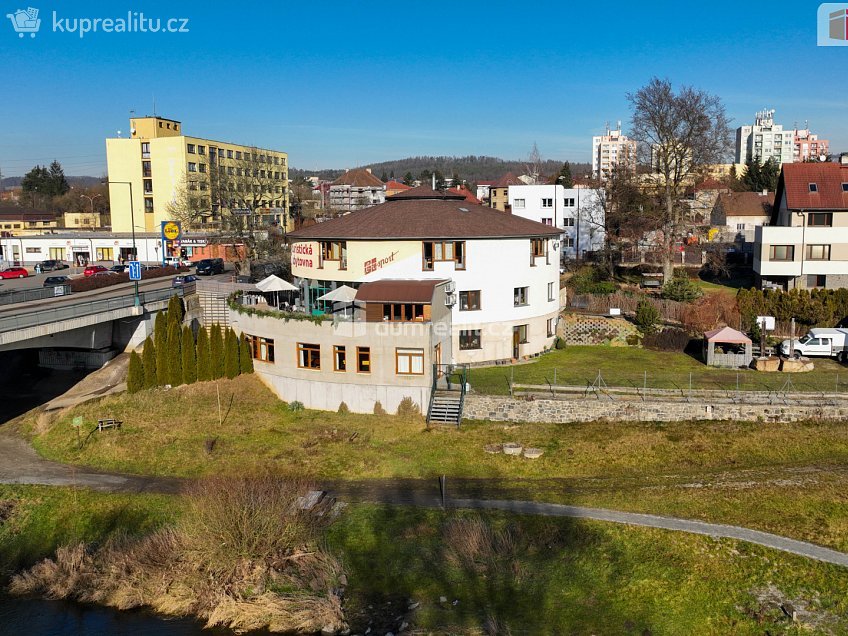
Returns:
point(275, 284)
point(343, 294)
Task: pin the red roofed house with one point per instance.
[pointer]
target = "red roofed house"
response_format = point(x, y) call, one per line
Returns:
point(499, 192)
point(738, 214)
point(356, 189)
point(806, 244)
point(466, 193)
point(395, 187)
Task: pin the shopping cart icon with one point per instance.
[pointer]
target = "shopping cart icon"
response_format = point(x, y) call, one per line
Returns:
point(25, 21)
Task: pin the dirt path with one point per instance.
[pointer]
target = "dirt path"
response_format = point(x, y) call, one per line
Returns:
point(20, 464)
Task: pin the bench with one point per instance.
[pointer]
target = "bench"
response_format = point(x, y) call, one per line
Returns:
point(108, 423)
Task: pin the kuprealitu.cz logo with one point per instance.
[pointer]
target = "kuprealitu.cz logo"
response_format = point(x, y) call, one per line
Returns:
point(832, 24)
point(28, 22)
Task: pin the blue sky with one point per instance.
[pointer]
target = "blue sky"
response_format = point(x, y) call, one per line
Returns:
point(339, 84)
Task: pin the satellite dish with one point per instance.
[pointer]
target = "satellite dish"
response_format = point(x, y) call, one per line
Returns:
point(132, 131)
point(119, 133)
point(822, 157)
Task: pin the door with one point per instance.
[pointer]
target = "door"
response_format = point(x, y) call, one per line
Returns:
point(516, 340)
point(437, 359)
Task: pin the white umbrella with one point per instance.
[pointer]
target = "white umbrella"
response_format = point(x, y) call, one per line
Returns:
point(343, 294)
point(275, 284)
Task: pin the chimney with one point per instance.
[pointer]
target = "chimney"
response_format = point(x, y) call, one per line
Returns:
point(843, 159)
point(765, 192)
point(369, 170)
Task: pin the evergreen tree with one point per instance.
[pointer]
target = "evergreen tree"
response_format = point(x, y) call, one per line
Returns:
point(160, 340)
point(135, 374)
point(752, 179)
point(175, 360)
point(57, 185)
point(408, 179)
point(204, 359)
point(189, 359)
point(216, 351)
point(148, 359)
point(384, 177)
point(245, 357)
point(175, 310)
point(231, 354)
point(565, 179)
point(36, 180)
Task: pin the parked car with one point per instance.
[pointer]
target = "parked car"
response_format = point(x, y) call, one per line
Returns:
point(179, 281)
point(209, 266)
point(52, 265)
point(14, 272)
point(118, 268)
point(174, 261)
point(52, 281)
point(91, 270)
point(104, 273)
point(146, 268)
point(827, 343)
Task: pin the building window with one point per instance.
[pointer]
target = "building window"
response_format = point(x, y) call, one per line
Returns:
point(334, 251)
point(782, 253)
point(568, 241)
point(740, 227)
point(201, 150)
point(339, 359)
point(469, 300)
point(551, 327)
point(551, 292)
point(521, 330)
point(547, 221)
point(814, 187)
point(191, 149)
point(818, 252)
point(569, 222)
point(519, 296)
point(537, 247)
point(145, 150)
point(145, 169)
point(518, 203)
point(547, 203)
point(262, 348)
point(443, 251)
point(308, 356)
point(363, 359)
point(845, 187)
point(409, 361)
point(201, 167)
point(820, 219)
point(238, 154)
point(569, 202)
point(403, 312)
point(148, 205)
point(469, 339)
point(816, 280)
point(148, 186)
point(192, 167)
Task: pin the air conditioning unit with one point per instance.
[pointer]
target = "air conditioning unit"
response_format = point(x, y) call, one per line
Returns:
point(450, 300)
point(450, 288)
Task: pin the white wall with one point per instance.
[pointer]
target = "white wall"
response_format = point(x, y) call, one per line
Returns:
point(585, 217)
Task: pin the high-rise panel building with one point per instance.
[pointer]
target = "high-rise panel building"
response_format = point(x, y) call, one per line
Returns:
point(765, 140)
point(611, 150)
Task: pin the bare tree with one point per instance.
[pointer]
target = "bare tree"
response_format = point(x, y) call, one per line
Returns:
point(534, 164)
point(679, 134)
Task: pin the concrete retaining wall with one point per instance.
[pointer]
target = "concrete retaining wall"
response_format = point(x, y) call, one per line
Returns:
point(505, 409)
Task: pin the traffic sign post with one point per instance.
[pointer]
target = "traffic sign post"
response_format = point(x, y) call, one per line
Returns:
point(135, 270)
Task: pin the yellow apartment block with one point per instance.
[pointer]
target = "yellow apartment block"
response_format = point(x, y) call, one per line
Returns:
point(194, 180)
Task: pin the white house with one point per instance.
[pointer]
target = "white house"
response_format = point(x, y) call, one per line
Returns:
point(578, 212)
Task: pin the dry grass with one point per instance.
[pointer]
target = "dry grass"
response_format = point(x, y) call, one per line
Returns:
point(243, 556)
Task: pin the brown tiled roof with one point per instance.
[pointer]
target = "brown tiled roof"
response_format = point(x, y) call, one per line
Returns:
point(397, 291)
point(507, 180)
point(434, 218)
point(746, 203)
point(396, 185)
point(9, 212)
point(795, 180)
point(426, 192)
point(466, 193)
point(358, 178)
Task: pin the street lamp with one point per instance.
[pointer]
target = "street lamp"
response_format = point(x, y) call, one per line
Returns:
point(132, 223)
point(90, 200)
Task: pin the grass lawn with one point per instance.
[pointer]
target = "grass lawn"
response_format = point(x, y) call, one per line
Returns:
point(785, 478)
point(552, 576)
point(35, 520)
point(626, 366)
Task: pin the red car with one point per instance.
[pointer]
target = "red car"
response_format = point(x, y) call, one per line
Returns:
point(93, 269)
point(14, 272)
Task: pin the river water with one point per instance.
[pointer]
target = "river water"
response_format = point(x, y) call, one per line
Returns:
point(36, 617)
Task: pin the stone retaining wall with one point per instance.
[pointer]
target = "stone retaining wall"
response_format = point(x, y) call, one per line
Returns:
point(506, 409)
point(581, 329)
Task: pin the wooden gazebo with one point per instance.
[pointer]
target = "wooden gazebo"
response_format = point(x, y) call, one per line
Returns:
point(726, 347)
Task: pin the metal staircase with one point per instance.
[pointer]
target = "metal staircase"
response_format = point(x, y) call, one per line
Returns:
point(447, 395)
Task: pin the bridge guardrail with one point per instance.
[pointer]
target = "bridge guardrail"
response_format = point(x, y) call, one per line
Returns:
point(77, 310)
point(13, 297)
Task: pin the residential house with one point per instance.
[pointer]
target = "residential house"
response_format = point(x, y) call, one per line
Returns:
point(738, 214)
point(499, 191)
point(356, 189)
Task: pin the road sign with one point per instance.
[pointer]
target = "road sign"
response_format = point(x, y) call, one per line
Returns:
point(170, 230)
point(135, 270)
point(77, 421)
